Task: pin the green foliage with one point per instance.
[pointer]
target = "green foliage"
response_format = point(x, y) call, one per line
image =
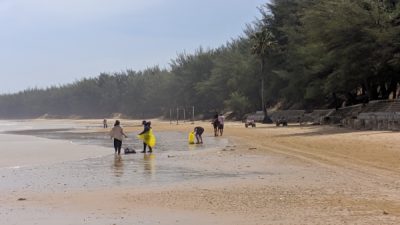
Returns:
point(237, 103)
point(303, 51)
point(325, 47)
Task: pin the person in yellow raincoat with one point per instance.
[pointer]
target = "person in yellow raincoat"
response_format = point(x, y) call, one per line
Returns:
point(148, 137)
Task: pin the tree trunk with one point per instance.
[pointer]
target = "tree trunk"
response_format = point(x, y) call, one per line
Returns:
point(393, 87)
point(384, 93)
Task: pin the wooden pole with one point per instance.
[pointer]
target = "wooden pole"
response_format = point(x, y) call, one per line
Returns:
point(192, 114)
point(170, 116)
point(184, 115)
point(177, 116)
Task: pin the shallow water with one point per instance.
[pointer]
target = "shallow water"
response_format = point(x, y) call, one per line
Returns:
point(166, 141)
point(161, 167)
point(110, 171)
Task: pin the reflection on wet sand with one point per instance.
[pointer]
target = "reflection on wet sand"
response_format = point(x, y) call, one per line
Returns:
point(91, 166)
point(192, 147)
point(118, 166)
point(149, 166)
point(149, 163)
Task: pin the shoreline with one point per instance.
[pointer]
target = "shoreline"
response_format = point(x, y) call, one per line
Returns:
point(23, 151)
point(293, 175)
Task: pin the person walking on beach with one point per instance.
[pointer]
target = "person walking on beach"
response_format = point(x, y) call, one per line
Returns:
point(147, 136)
point(198, 132)
point(117, 134)
point(105, 123)
point(221, 120)
point(215, 124)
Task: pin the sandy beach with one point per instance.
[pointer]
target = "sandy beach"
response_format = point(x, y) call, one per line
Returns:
point(262, 175)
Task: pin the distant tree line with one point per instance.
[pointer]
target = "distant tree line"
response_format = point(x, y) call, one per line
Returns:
point(299, 54)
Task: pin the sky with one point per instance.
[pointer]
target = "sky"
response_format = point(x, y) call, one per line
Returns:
point(53, 42)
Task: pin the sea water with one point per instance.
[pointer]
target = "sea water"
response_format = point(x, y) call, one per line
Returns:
point(163, 166)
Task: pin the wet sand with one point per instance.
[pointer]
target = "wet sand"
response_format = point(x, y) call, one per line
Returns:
point(25, 151)
point(263, 175)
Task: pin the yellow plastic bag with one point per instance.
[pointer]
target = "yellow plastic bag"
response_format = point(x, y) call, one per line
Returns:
point(191, 138)
point(148, 138)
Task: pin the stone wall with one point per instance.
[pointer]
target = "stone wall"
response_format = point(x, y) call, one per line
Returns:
point(296, 116)
point(376, 115)
point(374, 121)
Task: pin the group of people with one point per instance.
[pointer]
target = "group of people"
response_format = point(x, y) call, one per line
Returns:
point(117, 134)
point(218, 124)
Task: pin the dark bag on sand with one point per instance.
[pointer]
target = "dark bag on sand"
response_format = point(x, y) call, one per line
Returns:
point(129, 151)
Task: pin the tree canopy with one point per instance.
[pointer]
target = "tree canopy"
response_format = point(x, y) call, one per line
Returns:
point(298, 54)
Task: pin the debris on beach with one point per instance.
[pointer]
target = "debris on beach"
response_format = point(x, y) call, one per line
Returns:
point(22, 199)
point(129, 151)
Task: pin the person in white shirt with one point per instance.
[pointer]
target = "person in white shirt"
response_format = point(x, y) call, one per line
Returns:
point(117, 133)
point(221, 120)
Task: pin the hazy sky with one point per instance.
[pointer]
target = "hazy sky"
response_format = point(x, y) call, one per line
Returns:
point(51, 42)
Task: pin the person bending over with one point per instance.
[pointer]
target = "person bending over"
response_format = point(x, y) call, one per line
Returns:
point(198, 132)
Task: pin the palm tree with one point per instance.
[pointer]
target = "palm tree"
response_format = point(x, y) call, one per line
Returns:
point(263, 43)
